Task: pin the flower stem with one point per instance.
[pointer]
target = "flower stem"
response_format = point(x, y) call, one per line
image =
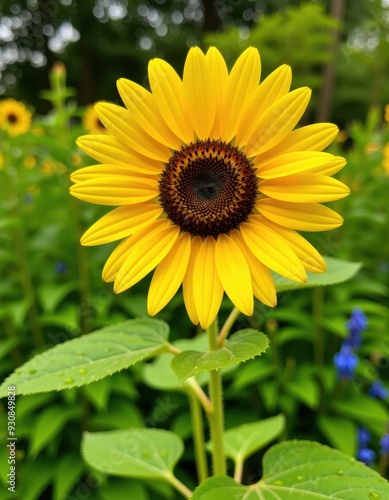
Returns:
point(318, 295)
point(227, 326)
point(198, 436)
point(238, 470)
point(200, 395)
point(216, 419)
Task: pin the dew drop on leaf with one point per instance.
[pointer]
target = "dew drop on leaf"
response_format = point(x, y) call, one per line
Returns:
point(300, 478)
point(352, 460)
point(340, 472)
point(146, 454)
point(19, 372)
point(82, 371)
point(278, 482)
point(31, 371)
point(374, 496)
point(69, 381)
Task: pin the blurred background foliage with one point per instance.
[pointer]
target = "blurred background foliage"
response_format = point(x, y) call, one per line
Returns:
point(51, 287)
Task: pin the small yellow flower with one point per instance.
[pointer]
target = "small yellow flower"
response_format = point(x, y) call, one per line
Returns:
point(76, 160)
point(91, 122)
point(14, 117)
point(342, 136)
point(211, 183)
point(29, 161)
point(386, 116)
point(372, 147)
point(385, 159)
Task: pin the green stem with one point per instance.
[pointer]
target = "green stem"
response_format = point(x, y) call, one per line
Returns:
point(198, 437)
point(176, 483)
point(318, 295)
point(227, 326)
point(216, 419)
point(200, 395)
point(238, 470)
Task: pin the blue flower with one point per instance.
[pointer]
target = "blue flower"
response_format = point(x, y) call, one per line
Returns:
point(356, 325)
point(378, 390)
point(363, 437)
point(346, 361)
point(60, 267)
point(385, 445)
point(366, 455)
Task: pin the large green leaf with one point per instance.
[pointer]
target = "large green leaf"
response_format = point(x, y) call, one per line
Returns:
point(91, 357)
point(340, 432)
point(241, 346)
point(296, 470)
point(142, 453)
point(338, 271)
point(241, 442)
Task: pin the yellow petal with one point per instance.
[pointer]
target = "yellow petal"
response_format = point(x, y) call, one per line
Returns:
point(304, 188)
point(219, 72)
point(120, 123)
point(329, 169)
point(263, 284)
point(234, 274)
point(144, 111)
point(187, 285)
point(241, 83)
point(167, 89)
point(271, 249)
point(207, 289)
point(276, 85)
point(309, 256)
point(293, 163)
point(300, 216)
point(314, 137)
point(169, 274)
point(120, 223)
point(115, 190)
point(104, 170)
point(148, 247)
point(277, 121)
point(199, 93)
point(108, 149)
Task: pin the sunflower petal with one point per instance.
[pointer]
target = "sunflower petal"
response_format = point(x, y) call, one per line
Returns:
point(277, 121)
point(241, 83)
point(108, 149)
point(263, 284)
point(271, 249)
point(304, 188)
point(234, 274)
point(328, 169)
point(219, 73)
point(276, 85)
point(314, 137)
point(207, 289)
point(120, 123)
point(300, 216)
point(309, 256)
point(115, 190)
point(187, 285)
point(120, 223)
point(144, 111)
point(104, 170)
point(167, 89)
point(169, 274)
point(116, 259)
point(293, 163)
point(148, 247)
point(199, 93)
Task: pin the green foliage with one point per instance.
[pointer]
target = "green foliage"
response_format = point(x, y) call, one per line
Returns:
point(300, 469)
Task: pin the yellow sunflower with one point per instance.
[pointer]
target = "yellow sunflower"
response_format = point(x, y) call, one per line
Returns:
point(91, 121)
point(14, 117)
point(211, 183)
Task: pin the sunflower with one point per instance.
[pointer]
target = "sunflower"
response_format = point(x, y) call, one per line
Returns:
point(14, 117)
point(91, 121)
point(211, 183)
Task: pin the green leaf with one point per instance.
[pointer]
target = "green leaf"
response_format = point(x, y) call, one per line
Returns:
point(121, 414)
point(34, 478)
point(296, 470)
point(89, 358)
point(118, 488)
point(340, 432)
point(98, 393)
point(51, 294)
point(305, 390)
point(141, 453)
point(48, 424)
point(365, 410)
point(338, 271)
point(67, 471)
point(241, 346)
point(241, 442)
point(7, 345)
point(251, 372)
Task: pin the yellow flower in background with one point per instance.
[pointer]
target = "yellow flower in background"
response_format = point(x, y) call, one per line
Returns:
point(342, 136)
point(14, 117)
point(211, 183)
point(386, 116)
point(29, 161)
point(1, 161)
point(372, 147)
point(385, 159)
point(91, 121)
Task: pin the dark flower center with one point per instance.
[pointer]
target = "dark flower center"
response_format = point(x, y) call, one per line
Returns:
point(208, 188)
point(12, 118)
